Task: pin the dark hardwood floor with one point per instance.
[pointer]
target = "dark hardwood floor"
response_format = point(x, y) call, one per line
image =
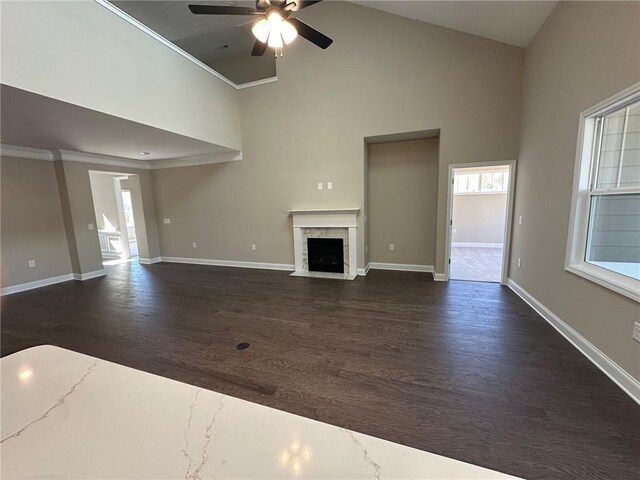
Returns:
point(464, 369)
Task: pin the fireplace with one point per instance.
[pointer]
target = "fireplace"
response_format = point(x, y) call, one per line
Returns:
point(333, 231)
point(325, 255)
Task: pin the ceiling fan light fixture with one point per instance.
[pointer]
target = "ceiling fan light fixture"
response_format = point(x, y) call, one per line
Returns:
point(261, 30)
point(275, 40)
point(288, 32)
point(275, 21)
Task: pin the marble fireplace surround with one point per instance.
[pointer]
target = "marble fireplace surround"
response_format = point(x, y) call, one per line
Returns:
point(325, 223)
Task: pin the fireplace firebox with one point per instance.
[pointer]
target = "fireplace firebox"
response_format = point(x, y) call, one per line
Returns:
point(325, 255)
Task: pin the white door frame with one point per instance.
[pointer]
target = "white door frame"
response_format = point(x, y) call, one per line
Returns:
point(509, 213)
point(126, 253)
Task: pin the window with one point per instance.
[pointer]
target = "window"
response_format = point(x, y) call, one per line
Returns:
point(604, 237)
point(481, 182)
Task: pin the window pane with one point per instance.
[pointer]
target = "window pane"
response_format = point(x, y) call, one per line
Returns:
point(486, 184)
point(474, 183)
point(498, 182)
point(619, 160)
point(613, 240)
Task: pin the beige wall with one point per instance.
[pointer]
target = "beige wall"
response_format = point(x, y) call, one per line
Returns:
point(104, 201)
point(479, 218)
point(583, 54)
point(46, 211)
point(402, 206)
point(31, 225)
point(140, 219)
point(383, 74)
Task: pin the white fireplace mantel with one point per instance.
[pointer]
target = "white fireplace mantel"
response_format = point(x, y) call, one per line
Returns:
point(332, 218)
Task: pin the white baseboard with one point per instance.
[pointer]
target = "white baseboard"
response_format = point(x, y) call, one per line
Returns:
point(365, 270)
point(22, 287)
point(626, 382)
point(89, 275)
point(230, 263)
point(401, 267)
point(149, 261)
point(476, 245)
point(439, 277)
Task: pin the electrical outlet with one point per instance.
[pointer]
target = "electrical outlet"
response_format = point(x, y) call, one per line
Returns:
point(392, 247)
point(636, 331)
point(253, 247)
point(520, 220)
point(90, 226)
point(329, 185)
point(32, 264)
point(166, 220)
point(319, 186)
point(519, 262)
point(195, 245)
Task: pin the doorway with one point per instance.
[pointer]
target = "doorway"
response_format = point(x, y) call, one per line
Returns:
point(480, 199)
point(115, 213)
point(129, 222)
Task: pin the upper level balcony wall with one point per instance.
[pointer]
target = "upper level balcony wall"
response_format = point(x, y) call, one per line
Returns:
point(82, 53)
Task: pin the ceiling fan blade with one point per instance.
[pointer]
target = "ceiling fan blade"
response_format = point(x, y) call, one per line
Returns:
point(300, 4)
point(258, 49)
point(310, 33)
point(222, 10)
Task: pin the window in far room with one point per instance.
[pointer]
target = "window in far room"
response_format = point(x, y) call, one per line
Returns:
point(604, 242)
point(481, 182)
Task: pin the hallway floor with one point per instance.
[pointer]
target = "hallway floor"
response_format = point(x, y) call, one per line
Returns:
point(477, 264)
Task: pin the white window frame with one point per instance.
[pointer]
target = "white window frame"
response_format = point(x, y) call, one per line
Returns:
point(581, 200)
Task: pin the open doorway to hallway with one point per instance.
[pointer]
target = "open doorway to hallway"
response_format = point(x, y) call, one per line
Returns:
point(479, 205)
point(114, 205)
point(129, 222)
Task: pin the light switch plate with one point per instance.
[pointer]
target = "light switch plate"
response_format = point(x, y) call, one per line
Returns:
point(195, 245)
point(253, 247)
point(330, 185)
point(32, 263)
point(519, 262)
point(319, 186)
point(90, 226)
point(166, 220)
point(392, 247)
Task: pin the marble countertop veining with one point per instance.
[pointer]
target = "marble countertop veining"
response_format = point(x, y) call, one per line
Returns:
point(68, 415)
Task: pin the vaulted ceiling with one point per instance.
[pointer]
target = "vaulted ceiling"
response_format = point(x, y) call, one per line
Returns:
point(217, 39)
point(513, 22)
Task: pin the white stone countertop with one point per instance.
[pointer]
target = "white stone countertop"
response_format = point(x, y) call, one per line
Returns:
point(67, 415)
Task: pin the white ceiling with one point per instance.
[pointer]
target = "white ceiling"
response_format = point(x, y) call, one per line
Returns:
point(513, 22)
point(36, 121)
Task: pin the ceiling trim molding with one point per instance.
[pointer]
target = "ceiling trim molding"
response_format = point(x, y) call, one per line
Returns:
point(71, 156)
point(193, 161)
point(107, 160)
point(257, 83)
point(25, 152)
point(141, 26)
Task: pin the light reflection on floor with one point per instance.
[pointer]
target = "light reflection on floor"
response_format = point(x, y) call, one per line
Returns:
point(118, 261)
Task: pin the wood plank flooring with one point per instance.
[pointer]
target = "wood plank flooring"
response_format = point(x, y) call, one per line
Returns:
point(463, 369)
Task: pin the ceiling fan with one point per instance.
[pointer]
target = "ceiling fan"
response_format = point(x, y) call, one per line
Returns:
point(276, 27)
